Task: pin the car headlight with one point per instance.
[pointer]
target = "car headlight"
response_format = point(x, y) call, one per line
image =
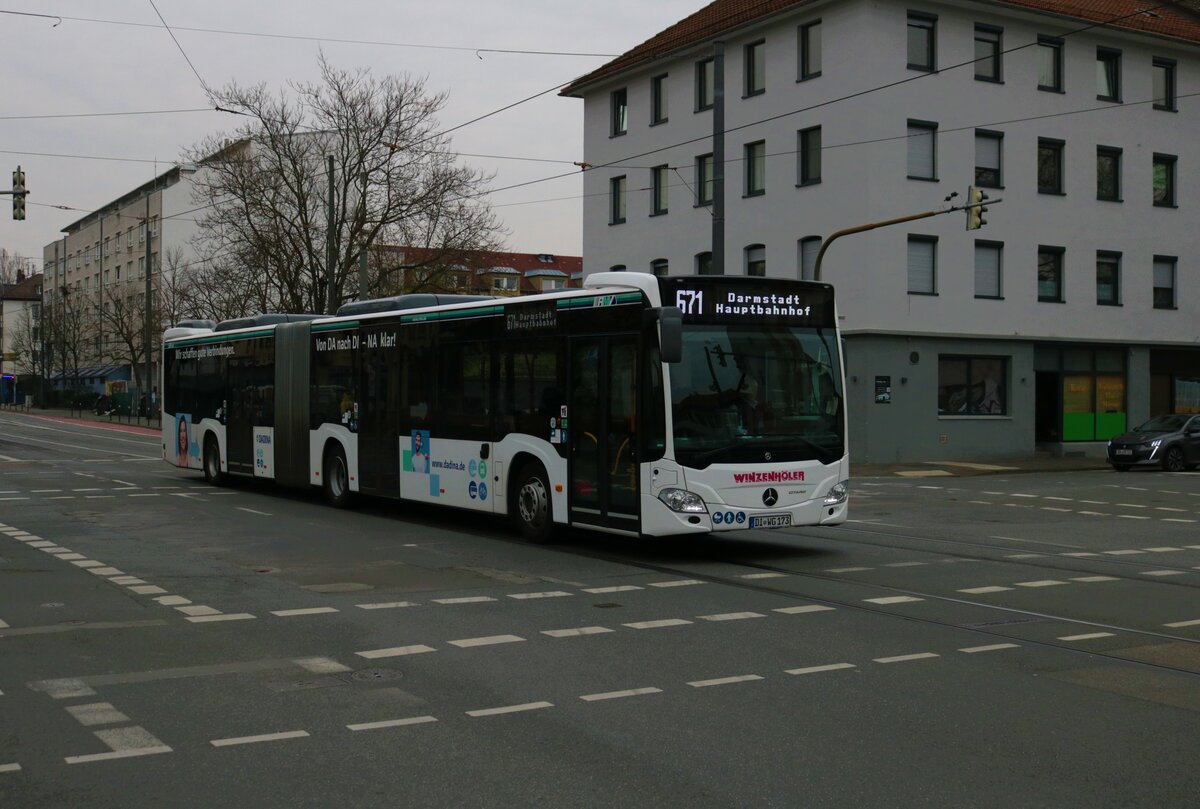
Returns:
point(838, 493)
point(682, 500)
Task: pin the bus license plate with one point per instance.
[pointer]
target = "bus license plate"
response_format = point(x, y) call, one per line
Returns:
point(771, 521)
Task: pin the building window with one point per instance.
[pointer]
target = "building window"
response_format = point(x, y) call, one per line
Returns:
point(547, 283)
point(659, 267)
point(620, 112)
point(704, 179)
point(1108, 74)
point(1050, 64)
point(658, 190)
point(1164, 282)
point(1050, 274)
point(1108, 173)
point(1164, 180)
point(756, 261)
point(972, 386)
point(1164, 84)
point(987, 53)
point(617, 268)
point(756, 168)
point(922, 41)
point(922, 265)
point(808, 249)
point(1050, 166)
point(506, 283)
point(922, 150)
point(1108, 278)
point(809, 53)
point(616, 202)
point(754, 61)
point(704, 85)
point(704, 263)
point(809, 152)
point(987, 158)
point(987, 269)
point(658, 100)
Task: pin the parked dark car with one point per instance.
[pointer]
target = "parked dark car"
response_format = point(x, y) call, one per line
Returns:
point(1171, 441)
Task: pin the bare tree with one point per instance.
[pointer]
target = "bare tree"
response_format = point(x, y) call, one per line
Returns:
point(395, 181)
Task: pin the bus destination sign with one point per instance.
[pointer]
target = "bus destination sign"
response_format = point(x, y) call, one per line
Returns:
point(734, 300)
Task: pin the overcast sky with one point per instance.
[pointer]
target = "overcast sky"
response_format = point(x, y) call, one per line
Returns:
point(95, 67)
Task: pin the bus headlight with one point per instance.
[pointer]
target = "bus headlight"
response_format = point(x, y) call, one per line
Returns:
point(682, 500)
point(838, 493)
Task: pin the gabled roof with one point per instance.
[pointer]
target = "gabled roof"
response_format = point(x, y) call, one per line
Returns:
point(1178, 19)
point(28, 290)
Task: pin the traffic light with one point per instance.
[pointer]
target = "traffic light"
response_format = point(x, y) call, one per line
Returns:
point(18, 194)
point(975, 208)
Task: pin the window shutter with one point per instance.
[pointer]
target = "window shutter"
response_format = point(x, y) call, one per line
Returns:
point(920, 151)
point(987, 152)
point(920, 265)
point(1164, 274)
point(809, 248)
point(987, 271)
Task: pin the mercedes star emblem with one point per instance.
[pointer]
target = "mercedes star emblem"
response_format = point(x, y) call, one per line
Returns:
point(770, 497)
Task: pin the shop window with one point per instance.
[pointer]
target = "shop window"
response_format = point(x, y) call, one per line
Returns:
point(972, 386)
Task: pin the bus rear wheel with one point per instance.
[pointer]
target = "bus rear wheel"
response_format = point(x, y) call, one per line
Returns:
point(532, 511)
point(212, 462)
point(336, 478)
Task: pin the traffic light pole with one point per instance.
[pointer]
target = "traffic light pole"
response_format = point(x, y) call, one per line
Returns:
point(831, 238)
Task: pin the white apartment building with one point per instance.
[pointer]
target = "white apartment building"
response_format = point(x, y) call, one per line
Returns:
point(1072, 314)
point(100, 261)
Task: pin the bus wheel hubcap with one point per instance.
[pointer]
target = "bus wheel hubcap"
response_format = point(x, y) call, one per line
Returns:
point(533, 501)
point(337, 478)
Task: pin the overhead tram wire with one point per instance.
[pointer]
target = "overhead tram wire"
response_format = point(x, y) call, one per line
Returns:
point(207, 92)
point(829, 102)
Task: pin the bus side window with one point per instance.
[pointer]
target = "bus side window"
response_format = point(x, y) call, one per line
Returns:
point(531, 388)
point(464, 383)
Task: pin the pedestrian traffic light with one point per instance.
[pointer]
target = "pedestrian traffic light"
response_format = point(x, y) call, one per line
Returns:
point(18, 193)
point(975, 208)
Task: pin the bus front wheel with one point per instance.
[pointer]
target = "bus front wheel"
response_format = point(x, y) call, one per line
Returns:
point(532, 512)
point(212, 462)
point(336, 478)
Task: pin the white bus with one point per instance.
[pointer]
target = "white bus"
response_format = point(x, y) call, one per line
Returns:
point(636, 405)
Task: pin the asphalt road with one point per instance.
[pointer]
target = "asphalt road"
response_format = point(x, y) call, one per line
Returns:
point(1028, 640)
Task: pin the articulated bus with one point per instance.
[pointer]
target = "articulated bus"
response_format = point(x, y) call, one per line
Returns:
point(637, 405)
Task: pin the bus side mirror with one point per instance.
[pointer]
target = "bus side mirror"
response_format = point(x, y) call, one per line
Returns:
point(670, 334)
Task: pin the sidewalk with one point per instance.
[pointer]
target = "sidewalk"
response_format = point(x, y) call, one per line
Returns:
point(116, 422)
point(1004, 466)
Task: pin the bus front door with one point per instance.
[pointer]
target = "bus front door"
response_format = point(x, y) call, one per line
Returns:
point(600, 431)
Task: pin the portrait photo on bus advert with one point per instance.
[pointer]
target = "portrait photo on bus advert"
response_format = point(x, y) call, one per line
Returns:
point(420, 451)
point(182, 438)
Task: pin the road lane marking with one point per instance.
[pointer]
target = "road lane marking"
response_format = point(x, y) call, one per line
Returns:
point(208, 619)
point(68, 688)
point(253, 511)
point(1180, 624)
point(893, 600)
point(1129, 552)
point(303, 611)
point(731, 616)
point(621, 588)
point(97, 713)
point(14, 767)
point(528, 706)
point(106, 571)
point(385, 605)
point(1080, 554)
point(906, 658)
point(146, 589)
point(172, 601)
point(1175, 519)
point(466, 600)
point(1132, 517)
point(657, 624)
point(321, 665)
point(129, 742)
point(546, 594)
point(3, 625)
point(1023, 555)
point(905, 564)
point(763, 576)
point(491, 640)
point(576, 632)
point(395, 651)
point(198, 609)
point(982, 590)
point(676, 583)
point(846, 569)
point(1163, 572)
point(1040, 583)
point(1087, 636)
point(1095, 578)
point(743, 678)
point(265, 737)
point(392, 723)
point(994, 647)
point(802, 609)
point(819, 669)
point(629, 692)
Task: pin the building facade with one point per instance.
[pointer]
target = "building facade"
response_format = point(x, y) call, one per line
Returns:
point(1072, 314)
point(20, 326)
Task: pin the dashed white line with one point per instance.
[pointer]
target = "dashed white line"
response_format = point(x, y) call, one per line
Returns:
point(803, 609)
point(491, 640)
point(1087, 636)
point(146, 589)
point(621, 588)
point(819, 669)
point(1095, 578)
point(1040, 583)
point(994, 647)
point(198, 609)
point(743, 678)
point(577, 631)
point(1128, 552)
point(386, 605)
point(629, 692)
point(14, 767)
point(657, 624)
point(982, 590)
point(106, 571)
point(1180, 624)
point(528, 706)
point(846, 569)
point(1023, 555)
point(676, 583)
point(906, 658)
point(731, 616)
point(97, 713)
point(763, 576)
point(906, 564)
point(321, 665)
point(129, 742)
point(464, 600)
point(303, 611)
point(65, 689)
point(208, 619)
point(253, 511)
point(172, 601)
point(395, 651)
point(893, 600)
point(265, 737)
point(1176, 519)
point(1163, 572)
point(546, 594)
point(392, 723)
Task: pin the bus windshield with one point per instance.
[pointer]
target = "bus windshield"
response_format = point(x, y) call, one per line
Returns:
point(757, 394)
